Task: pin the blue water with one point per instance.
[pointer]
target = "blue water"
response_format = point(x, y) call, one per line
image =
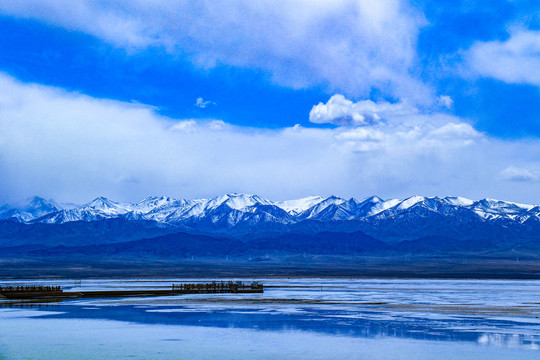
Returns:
point(293, 319)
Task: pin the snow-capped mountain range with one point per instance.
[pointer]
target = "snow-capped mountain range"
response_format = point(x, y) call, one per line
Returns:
point(234, 209)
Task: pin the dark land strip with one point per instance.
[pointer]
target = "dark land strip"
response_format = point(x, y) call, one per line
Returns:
point(296, 266)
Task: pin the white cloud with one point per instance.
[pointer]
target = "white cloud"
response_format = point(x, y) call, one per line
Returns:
point(367, 125)
point(446, 101)
point(187, 126)
point(198, 125)
point(451, 131)
point(341, 111)
point(430, 134)
point(348, 46)
point(516, 60)
point(73, 147)
point(217, 125)
point(200, 103)
point(361, 134)
point(513, 173)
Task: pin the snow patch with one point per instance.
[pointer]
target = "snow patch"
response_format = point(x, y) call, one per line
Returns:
point(299, 205)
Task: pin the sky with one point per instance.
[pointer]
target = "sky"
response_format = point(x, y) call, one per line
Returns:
point(284, 99)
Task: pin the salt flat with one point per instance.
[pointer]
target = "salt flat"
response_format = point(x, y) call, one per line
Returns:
point(293, 319)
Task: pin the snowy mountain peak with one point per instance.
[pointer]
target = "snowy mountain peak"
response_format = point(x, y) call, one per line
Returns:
point(334, 198)
point(382, 206)
point(331, 200)
point(39, 204)
point(493, 203)
point(233, 209)
point(299, 205)
point(407, 203)
point(318, 208)
point(240, 201)
point(37, 201)
point(155, 199)
point(30, 209)
point(101, 203)
point(373, 200)
point(458, 201)
point(152, 202)
point(100, 207)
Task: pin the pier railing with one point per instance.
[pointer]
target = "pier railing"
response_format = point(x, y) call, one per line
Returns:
point(215, 287)
point(219, 287)
point(30, 289)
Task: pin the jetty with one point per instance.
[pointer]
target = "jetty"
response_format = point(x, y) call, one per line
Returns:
point(56, 292)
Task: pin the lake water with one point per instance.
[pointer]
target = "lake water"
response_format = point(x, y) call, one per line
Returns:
point(293, 319)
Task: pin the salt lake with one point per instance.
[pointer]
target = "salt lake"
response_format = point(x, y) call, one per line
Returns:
point(292, 319)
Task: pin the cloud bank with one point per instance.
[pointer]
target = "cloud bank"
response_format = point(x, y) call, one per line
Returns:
point(514, 173)
point(347, 46)
point(341, 111)
point(73, 147)
point(514, 61)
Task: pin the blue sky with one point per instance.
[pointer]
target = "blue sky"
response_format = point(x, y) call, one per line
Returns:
point(37, 52)
point(284, 99)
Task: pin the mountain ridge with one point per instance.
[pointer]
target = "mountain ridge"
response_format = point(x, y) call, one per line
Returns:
point(233, 209)
point(252, 233)
point(416, 222)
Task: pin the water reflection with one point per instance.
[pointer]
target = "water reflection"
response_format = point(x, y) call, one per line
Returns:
point(37, 303)
point(530, 342)
point(494, 315)
point(371, 324)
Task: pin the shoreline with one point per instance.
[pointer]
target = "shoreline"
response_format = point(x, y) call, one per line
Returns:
point(360, 268)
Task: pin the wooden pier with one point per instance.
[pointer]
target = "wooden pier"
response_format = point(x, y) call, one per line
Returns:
point(55, 292)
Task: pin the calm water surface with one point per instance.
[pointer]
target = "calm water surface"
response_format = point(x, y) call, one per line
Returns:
point(293, 319)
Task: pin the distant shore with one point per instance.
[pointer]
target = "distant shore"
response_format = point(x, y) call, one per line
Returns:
point(327, 267)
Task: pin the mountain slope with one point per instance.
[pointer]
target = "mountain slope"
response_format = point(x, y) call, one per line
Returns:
point(185, 245)
point(240, 209)
point(422, 221)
